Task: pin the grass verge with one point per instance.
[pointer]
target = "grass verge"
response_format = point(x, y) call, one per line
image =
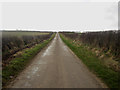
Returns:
point(110, 77)
point(18, 64)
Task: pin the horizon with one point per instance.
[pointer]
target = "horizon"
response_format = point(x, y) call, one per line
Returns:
point(55, 31)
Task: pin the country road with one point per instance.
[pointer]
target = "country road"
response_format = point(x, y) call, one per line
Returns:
point(56, 67)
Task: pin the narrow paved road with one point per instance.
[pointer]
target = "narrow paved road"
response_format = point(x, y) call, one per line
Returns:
point(56, 67)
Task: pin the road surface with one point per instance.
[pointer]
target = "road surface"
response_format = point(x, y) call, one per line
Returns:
point(56, 67)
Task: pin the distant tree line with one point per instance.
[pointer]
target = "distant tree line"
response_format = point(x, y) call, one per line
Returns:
point(109, 41)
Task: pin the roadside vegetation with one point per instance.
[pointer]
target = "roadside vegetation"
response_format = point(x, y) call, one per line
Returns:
point(27, 47)
point(15, 41)
point(83, 43)
point(107, 41)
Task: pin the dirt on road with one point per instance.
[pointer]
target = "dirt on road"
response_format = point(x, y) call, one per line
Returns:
point(56, 67)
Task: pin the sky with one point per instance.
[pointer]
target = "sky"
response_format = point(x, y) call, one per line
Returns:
point(82, 15)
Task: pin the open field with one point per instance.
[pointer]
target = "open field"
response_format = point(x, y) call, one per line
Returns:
point(22, 33)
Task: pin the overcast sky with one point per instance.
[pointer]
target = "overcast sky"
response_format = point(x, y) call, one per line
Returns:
point(78, 16)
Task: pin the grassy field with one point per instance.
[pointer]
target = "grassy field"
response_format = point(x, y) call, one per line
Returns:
point(18, 64)
point(22, 33)
point(110, 77)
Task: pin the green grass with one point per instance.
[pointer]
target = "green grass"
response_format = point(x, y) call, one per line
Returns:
point(23, 33)
point(18, 64)
point(108, 76)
